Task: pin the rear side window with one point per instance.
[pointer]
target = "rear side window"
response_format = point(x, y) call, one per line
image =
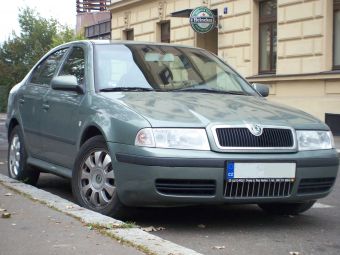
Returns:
point(75, 65)
point(44, 72)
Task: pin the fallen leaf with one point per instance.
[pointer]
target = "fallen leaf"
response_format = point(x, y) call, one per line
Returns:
point(112, 225)
point(2, 210)
point(6, 215)
point(219, 247)
point(201, 226)
point(152, 229)
point(8, 194)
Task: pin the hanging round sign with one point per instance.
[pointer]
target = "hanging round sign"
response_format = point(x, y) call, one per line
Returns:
point(202, 20)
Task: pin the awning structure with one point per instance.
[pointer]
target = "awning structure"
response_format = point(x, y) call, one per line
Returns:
point(186, 13)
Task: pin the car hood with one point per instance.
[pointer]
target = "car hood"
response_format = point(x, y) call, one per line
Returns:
point(188, 109)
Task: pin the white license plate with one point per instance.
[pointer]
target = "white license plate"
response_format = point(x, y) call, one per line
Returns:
point(259, 170)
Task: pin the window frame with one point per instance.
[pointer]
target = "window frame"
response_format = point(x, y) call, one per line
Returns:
point(41, 61)
point(127, 34)
point(267, 20)
point(66, 57)
point(336, 8)
point(161, 26)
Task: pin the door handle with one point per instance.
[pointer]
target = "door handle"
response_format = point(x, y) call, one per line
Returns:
point(21, 101)
point(46, 106)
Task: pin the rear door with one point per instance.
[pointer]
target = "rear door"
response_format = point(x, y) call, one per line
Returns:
point(31, 99)
point(60, 123)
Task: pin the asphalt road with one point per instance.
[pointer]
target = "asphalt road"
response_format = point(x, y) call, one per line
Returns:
point(229, 229)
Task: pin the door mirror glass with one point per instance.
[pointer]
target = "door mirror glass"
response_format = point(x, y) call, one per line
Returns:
point(262, 89)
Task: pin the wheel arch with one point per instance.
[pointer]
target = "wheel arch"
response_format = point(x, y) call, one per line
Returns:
point(12, 124)
point(89, 132)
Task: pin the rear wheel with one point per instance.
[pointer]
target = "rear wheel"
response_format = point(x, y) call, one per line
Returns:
point(93, 179)
point(286, 208)
point(17, 159)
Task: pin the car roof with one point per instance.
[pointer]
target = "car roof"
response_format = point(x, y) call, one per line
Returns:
point(129, 42)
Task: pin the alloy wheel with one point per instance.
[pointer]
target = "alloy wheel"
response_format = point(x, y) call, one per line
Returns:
point(97, 180)
point(14, 156)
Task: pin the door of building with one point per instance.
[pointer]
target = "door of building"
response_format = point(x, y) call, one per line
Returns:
point(208, 41)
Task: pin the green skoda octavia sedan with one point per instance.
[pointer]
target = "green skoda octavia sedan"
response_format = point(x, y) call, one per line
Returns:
point(142, 124)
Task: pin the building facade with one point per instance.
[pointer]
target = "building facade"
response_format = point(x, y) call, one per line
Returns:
point(292, 45)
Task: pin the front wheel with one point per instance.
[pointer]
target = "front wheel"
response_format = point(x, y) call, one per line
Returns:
point(93, 179)
point(286, 208)
point(17, 159)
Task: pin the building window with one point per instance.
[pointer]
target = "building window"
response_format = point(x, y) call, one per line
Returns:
point(165, 32)
point(129, 35)
point(99, 31)
point(336, 58)
point(268, 36)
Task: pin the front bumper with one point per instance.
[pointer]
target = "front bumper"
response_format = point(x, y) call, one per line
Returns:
point(137, 169)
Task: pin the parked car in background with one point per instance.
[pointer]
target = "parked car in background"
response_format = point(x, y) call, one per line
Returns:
point(142, 124)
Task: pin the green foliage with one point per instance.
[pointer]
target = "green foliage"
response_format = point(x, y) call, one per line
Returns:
point(20, 52)
point(66, 34)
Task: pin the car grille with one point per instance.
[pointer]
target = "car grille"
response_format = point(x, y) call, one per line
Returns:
point(249, 188)
point(241, 137)
point(186, 187)
point(315, 185)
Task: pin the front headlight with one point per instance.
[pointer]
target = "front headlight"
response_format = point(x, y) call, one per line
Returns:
point(314, 140)
point(173, 138)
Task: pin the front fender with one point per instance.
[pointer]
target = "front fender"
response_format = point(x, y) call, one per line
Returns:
point(116, 122)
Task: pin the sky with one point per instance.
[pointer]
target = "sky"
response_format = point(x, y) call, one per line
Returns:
point(62, 10)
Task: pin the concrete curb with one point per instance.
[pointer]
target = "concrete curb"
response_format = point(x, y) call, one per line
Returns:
point(136, 237)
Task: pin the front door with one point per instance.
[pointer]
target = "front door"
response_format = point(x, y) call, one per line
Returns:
point(61, 122)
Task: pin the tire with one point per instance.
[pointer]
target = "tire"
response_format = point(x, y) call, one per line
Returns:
point(17, 159)
point(93, 179)
point(286, 208)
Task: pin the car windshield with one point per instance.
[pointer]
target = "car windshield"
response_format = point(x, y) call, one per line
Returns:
point(141, 67)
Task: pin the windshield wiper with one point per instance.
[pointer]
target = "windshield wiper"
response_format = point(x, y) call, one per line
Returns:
point(113, 89)
point(232, 92)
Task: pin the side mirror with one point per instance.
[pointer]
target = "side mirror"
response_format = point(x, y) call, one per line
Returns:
point(66, 83)
point(262, 89)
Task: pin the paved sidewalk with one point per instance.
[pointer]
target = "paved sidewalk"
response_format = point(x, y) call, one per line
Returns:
point(34, 228)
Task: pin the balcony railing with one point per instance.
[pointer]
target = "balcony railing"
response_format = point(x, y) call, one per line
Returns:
point(92, 5)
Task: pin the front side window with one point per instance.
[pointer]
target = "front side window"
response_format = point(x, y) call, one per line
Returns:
point(44, 72)
point(75, 65)
point(268, 36)
point(164, 68)
point(336, 59)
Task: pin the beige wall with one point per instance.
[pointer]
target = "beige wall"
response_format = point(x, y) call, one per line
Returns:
point(304, 43)
point(303, 36)
point(143, 18)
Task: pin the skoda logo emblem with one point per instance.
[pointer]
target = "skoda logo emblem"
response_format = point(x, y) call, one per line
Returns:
point(256, 130)
point(202, 20)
